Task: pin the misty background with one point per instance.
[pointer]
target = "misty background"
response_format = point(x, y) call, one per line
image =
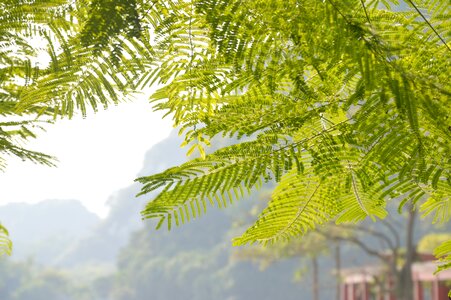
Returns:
point(64, 251)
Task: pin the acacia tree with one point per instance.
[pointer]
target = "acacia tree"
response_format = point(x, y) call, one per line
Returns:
point(391, 241)
point(343, 103)
point(394, 248)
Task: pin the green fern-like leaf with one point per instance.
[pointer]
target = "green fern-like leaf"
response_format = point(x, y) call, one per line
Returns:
point(5, 242)
point(443, 253)
point(339, 128)
point(345, 114)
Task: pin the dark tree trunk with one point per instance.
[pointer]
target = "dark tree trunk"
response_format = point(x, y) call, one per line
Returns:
point(404, 289)
point(338, 270)
point(315, 285)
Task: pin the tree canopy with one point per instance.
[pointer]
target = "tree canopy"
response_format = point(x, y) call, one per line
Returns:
point(345, 104)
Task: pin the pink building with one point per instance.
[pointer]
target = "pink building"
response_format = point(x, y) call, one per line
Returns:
point(371, 283)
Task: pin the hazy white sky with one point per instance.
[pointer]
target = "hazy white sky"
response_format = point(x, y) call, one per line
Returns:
point(97, 156)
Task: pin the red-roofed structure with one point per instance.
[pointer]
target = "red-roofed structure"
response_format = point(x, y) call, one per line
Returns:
point(372, 282)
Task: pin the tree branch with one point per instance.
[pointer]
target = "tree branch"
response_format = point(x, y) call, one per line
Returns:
point(429, 24)
point(393, 231)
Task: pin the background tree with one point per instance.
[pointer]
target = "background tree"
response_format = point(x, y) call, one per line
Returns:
point(310, 248)
point(392, 244)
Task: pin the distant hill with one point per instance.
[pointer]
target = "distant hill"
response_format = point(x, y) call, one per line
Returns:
point(43, 231)
point(63, 233)
point(102, 244)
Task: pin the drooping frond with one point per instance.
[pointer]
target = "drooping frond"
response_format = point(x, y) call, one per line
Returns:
point(46, 72)
point(5, 242)
point(443, 253)
point(20, 22)
point(219, 178)
point(50, 70)
point(12, 134)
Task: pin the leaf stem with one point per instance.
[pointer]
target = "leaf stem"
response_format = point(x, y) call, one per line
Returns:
point(429, 24)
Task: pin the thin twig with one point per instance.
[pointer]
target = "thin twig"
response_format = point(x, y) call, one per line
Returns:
point(393, 231)
point(430, 25)
point(366, 12)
